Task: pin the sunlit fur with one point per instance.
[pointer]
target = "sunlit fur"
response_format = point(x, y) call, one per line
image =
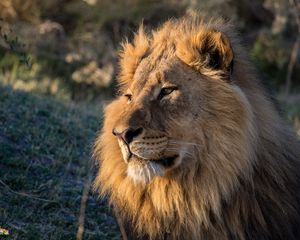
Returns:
point(239, 179)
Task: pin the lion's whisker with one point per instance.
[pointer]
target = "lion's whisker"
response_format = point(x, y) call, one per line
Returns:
point(178, 143)
point(183, 142)
point(178, 147)
point(151, 166)
point(147, 172)
point(185, 152)
point(173, 145)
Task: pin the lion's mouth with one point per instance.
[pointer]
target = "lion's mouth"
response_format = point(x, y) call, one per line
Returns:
point(130, 156)
point(166, 161)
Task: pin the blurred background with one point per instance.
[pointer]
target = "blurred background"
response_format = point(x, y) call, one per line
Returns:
point(58, 67)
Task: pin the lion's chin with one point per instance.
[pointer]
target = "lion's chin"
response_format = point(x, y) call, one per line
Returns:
point(141, 171)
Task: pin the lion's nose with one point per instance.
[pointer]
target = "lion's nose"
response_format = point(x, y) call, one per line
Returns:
point(128, 134)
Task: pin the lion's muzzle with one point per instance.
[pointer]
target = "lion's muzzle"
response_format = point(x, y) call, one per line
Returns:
point(143, 145)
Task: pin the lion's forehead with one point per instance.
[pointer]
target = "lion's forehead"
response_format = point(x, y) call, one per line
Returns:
point(152, 71)
point(141, 76)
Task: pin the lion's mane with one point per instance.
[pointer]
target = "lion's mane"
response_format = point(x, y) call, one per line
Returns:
point(249, 187)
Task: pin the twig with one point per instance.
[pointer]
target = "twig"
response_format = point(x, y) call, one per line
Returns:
point(121, 225)
point(17, 228)
point(84, 198)
point(26, 194)
point(295, 49)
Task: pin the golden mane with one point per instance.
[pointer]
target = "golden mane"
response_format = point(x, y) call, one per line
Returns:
point(244, 181)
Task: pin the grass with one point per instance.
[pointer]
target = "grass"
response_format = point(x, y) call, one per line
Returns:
point(44, 165)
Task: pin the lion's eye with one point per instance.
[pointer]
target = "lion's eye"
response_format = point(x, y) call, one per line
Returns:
point(129, 97)
point(166, 91)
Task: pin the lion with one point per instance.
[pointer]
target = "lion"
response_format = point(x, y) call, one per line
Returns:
point(193, 147)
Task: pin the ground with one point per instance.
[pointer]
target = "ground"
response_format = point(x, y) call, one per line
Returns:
point(44, 165)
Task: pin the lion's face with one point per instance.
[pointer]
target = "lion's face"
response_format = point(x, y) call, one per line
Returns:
point(169, 109)
point(154, 130)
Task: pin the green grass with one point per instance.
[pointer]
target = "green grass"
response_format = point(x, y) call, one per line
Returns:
point(44, 164)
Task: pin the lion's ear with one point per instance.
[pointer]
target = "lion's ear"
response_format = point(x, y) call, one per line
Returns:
point(209, 52)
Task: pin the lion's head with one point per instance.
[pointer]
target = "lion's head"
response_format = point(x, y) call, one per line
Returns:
point(184, 131)
point(172, 102)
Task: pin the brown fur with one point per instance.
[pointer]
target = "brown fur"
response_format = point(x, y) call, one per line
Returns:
point(240, 177)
